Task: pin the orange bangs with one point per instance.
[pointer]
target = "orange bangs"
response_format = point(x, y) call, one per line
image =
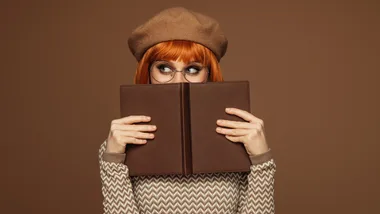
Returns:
point(178, 50)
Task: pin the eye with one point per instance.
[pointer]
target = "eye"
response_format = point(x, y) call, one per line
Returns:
point(193, 70)
point(164, 68)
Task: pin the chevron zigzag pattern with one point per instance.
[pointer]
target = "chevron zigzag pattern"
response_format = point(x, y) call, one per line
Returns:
point(224, 193)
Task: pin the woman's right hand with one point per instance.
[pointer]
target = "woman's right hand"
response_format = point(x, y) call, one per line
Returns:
point(123, 131)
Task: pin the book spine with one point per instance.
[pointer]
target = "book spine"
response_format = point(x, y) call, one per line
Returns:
point(186, 135)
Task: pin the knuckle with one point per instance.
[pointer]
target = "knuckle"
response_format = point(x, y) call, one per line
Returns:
point(113, 122)
point(118, 139)
point(113, 126)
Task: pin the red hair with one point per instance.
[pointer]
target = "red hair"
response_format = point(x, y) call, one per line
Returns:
point(181, 50)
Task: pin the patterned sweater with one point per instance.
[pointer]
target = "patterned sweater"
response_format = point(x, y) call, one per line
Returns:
point(240, 193)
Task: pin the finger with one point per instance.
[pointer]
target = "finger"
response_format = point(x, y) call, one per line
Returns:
point(132, 119)
point(244, 114)
point(233, 132)
point(235, 124)
point(234, 139)
point(134, 134)
point(132, 140)
point(133, 127)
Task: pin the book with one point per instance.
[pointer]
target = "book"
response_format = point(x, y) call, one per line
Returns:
point(186, 141)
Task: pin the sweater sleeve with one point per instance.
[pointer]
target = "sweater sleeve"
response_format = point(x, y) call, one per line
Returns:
point(257, 186)
point(117, 189)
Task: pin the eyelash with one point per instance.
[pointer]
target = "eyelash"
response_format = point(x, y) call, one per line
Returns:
point(162, 66)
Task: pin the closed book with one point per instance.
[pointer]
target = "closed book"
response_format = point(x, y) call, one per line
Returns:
point(185, 115)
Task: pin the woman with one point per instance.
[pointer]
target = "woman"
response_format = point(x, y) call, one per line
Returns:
point(177, 39)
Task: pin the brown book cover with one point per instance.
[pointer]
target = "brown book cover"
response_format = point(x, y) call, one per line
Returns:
point(185, 115)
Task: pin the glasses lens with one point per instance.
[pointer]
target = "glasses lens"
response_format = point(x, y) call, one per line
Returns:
point(163, 72)
point(200, 76)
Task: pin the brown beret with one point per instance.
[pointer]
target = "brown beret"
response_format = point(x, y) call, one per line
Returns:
point(178, 23)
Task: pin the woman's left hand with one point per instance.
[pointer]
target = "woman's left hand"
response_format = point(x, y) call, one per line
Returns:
point(250, 133)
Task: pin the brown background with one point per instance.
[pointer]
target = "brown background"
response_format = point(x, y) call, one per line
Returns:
point(314, 73)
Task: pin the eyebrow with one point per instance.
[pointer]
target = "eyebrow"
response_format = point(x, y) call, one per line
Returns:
point(171, 64)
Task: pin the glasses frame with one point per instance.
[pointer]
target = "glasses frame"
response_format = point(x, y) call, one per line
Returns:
point(174, 72)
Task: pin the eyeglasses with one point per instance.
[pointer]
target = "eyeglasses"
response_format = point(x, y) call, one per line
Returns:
point(163, 71)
